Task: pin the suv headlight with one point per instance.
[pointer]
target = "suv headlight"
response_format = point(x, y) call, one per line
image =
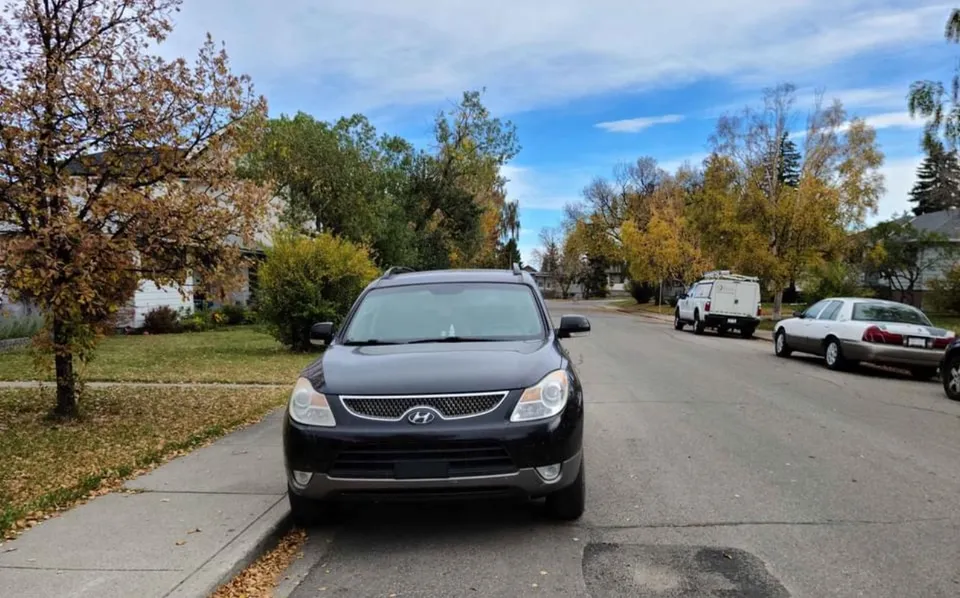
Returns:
point(545, 399)
point(309, 407)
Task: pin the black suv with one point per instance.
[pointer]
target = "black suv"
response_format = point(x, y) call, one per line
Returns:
point(439, 384)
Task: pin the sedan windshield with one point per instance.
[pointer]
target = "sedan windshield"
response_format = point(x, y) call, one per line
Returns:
point(889, 312)
point(450, 312)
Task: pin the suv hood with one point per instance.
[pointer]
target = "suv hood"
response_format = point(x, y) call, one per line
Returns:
point(432, 368)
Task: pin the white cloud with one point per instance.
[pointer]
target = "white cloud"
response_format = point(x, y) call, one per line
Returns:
point(360, 56)
point(635, 125)
point(900, 175)
point(541, 191)
point(888, 120)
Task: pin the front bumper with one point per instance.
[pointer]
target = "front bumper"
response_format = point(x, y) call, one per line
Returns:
point(523, 483)
point(486, 454)
point(893, 355)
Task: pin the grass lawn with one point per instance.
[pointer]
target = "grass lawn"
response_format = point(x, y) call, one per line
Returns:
point(47, 466)
point(239, 354)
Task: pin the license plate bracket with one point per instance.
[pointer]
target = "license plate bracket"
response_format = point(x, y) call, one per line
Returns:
point(416, 470)
point(914, 341)
point(731, 320)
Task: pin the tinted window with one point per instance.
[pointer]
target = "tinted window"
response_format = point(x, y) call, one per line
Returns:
point(889, 312)
point(814, 309)
point(831, 311)
point(485, 311)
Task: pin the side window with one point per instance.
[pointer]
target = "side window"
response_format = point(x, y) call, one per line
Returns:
point(831, 311)
point(814, 310)
point(703, 290)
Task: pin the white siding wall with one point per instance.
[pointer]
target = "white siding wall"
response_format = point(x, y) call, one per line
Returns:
point(149, 297)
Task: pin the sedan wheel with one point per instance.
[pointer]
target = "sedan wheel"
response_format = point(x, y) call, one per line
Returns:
point(951, 378)
point(833, 355)
point(780, 347)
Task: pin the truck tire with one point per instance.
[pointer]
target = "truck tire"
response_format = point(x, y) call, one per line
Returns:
point(698, 325)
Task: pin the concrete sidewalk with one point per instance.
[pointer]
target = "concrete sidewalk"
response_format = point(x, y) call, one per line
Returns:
point(190, 525)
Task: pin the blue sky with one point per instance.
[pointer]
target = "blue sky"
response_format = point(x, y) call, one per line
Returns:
point(588, 84)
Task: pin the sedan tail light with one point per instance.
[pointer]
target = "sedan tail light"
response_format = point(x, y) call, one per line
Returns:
point(875, 334)
point(706, 307)
point(943, 342)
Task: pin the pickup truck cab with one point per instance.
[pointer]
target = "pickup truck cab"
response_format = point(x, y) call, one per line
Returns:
point(721, 301)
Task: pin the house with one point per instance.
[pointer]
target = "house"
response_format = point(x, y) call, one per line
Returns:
point(935, 263)
point(195, 295)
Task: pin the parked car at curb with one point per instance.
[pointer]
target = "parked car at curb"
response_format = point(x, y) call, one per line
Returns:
point(950, 370)
point(847, 331)
point(721, 301)
point(444, 384)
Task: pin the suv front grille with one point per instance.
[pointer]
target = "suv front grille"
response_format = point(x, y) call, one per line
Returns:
point(434, 460)
point(392, 408)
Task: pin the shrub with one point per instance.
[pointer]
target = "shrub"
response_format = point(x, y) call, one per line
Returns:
point(234, 314)
point(161, 320)
point(642, 292)
point(19, 326)
point(307, 280)
point(944, 295)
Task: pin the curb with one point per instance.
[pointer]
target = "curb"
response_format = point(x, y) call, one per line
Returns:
point(259, 537)
point(13, 343)
point(663, 320)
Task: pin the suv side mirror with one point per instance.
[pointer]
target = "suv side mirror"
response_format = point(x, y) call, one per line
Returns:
point(321, 334)
point(573, 325)
point(798, 314)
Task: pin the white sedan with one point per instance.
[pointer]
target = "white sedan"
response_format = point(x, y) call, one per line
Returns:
point(847, 331)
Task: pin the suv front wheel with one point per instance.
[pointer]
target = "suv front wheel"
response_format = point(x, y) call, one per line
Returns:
point(569, 503)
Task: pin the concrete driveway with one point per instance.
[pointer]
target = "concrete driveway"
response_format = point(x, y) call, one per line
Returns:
point(714, 469)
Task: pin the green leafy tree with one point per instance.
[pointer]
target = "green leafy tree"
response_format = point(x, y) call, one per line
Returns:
point(945, 292)
point(929, 99)
point(938, 181)
point(305, 280)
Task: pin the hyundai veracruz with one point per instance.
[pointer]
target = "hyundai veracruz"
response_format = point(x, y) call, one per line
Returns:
point(439, 384)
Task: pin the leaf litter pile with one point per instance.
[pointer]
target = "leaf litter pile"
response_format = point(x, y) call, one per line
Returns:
point(48, 466)
point(259, 579)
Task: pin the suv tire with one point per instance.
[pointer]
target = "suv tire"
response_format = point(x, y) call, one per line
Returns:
point(698, 325)
point(951, 365)
point(569, 503)
point(308, 512)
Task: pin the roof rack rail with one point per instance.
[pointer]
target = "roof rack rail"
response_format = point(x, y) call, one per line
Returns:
point(726, 274)
point(396, 270)
point(516, 268)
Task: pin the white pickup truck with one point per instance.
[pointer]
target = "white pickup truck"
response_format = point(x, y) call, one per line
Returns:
point(721, 301)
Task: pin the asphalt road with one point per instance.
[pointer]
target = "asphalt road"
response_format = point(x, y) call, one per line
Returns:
point(714, 469)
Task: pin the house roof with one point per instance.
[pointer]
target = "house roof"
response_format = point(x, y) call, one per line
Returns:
point(529, 269)
point(945, 222)
point(125, 161)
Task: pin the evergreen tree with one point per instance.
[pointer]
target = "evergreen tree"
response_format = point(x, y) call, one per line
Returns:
point(789, 162)
point(938, 181)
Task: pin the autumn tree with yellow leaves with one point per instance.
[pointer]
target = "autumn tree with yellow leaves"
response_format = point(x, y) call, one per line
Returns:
point(116, 166)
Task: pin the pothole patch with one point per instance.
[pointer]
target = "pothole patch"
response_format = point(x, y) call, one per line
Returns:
point(676, 571)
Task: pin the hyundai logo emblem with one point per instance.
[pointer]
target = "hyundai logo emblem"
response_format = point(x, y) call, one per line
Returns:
point(421, 417)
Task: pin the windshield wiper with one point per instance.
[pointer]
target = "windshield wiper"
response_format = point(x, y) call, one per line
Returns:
point(453, 339)
point(370, 342)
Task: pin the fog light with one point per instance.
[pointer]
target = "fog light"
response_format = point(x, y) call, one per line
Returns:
point(302, 478)
point(549, 473)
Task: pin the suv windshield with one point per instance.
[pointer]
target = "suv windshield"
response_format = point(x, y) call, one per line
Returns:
point(887, 312)
point(446, 311)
